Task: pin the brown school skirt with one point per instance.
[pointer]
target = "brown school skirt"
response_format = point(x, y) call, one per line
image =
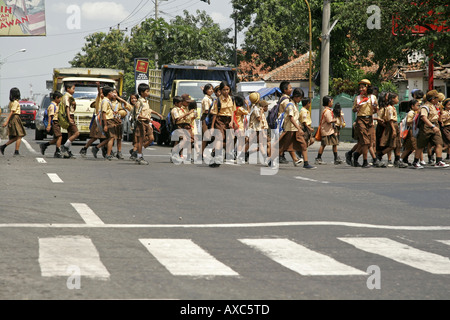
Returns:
point(446, 135)
point(15, 127)
point(427, 135)
point(387, 140)
point(143, 130)
point(331, 140)
point(222, 124)
point(119, 128)
point(95, 131)
point(410, 143)
point(56, 128)
point(292, 141)
point(188, 128)
point(364, 130)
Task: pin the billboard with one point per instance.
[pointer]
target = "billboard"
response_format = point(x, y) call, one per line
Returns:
point(22, 18)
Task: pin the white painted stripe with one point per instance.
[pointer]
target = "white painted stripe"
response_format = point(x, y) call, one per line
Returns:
point(182, 257)
point(312, 180)
point(87, 214)
point(447, 242)
point(227, 225)
point(300, 259)
point(57, 257)
point(41, 160)
point(402, 253)
point(25, 142)
point(54, 178)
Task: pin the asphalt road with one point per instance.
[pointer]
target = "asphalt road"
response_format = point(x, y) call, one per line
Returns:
point(86, 228)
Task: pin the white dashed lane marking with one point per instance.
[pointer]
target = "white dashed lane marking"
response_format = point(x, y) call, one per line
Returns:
point(54, 178)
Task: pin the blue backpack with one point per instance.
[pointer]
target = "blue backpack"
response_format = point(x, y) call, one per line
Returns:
point(280, 120)
point(45, 119)
point(170, 124)
point(272, 117)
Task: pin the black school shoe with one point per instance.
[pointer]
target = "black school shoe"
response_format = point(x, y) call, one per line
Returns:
point(2, 149)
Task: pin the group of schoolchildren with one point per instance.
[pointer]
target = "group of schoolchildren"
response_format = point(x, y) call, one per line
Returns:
point(376, 129)
point(378, 132)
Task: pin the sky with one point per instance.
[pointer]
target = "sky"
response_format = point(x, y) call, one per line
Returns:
point(65, 37)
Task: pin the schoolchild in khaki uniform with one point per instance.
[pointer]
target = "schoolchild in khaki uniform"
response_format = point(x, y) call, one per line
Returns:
point(364, 106)
point(292, 138)
point(16, 130)
point(286, 90)
point(68, 102)
point(53, 125)
point(390, 139)
point(222, 110)
point(96, 132)
point(306, 121)
point(429, 131)
point(445, 127)
point(120, 108)
point(207, 102)
point(410, 143)
point(143, 130)
point(134, 109)
point(258, 125)
point(183, 118)
point(240, 113)
point(328, 132)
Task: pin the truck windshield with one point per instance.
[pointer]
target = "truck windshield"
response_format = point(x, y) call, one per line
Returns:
point(194, 88)
point(87, 90)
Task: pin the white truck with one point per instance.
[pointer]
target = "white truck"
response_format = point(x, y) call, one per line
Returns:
point(85, 80)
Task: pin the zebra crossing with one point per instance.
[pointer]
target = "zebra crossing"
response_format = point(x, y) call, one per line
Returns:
point(183, 257)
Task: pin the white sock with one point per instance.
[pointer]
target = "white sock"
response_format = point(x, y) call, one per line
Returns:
point(140, 155)
point(68, 144)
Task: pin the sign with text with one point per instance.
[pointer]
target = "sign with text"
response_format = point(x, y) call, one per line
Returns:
point(22, 18)
point(141, 71)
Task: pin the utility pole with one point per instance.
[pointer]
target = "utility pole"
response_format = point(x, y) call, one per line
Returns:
point(156, 18)
point(325, 53)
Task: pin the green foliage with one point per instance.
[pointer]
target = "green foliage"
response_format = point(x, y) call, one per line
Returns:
point(388, 86)
point(185, 37)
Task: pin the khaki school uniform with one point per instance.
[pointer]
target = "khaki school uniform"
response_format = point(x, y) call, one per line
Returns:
point(107, 110)
point(240, 115)
point(224, 115)
point(387, 139)
point(327, 131)
point(283, 104)
point(426, 133)
point(15, 125)
point(143, 129)
point(410, 143)
point(363, 106)
point(445, 118)
point(186, 122)
point(52, 112)
point(292, 139)
point(72, 129)
point(305, 123)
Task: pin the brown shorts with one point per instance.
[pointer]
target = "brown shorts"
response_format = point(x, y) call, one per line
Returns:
point(446, 135)
point(56, 129)
point(292, 141)
point(143, 130)
point(427, 135)
point(112, 130)
point(387, 140)
point(72, 129)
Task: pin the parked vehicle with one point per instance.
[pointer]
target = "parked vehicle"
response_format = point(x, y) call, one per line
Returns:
point(40, 132)
point(28, 110)
point(85, 80)
point(174, 80)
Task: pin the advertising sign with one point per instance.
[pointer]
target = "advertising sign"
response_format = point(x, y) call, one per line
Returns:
point(141, 71)
point(22, 18)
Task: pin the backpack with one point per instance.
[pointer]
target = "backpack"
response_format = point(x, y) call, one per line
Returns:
point(404, 128)
point(280, 120)
point(170, 123)
point(45, 118)
point(416, 122)
point(209, 116)
point(272, 117)
point(62, 116)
